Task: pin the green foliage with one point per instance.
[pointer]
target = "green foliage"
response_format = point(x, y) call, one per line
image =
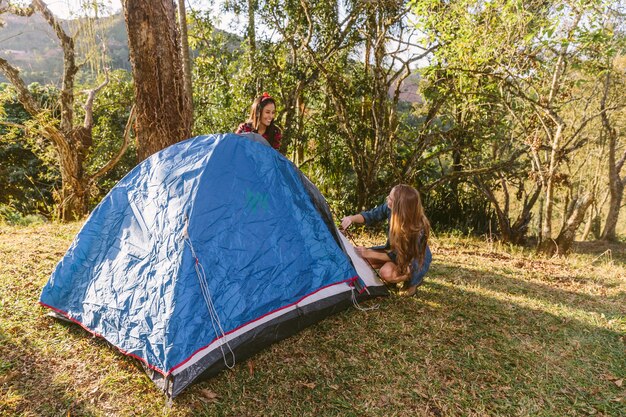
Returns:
point(28, 172)
point(228, 75)
point(13, 217)
point(484, 91)
point(28, 161)
point(111, 112)
point(219, 78)
point(499, 73)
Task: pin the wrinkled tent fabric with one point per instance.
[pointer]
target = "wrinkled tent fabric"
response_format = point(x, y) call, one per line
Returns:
point(265, 248)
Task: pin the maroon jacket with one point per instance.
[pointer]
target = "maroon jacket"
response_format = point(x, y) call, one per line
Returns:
point(274, 142)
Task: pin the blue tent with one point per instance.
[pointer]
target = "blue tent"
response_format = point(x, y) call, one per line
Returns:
point(203, 254)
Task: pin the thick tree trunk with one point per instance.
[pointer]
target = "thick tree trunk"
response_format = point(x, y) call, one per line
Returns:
point(163, 108)
point(74, 194)
point(564, 241)
point(184, 50)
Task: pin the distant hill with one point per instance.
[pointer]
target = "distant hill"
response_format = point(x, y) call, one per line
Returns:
point(30, 44)
point(408, 89)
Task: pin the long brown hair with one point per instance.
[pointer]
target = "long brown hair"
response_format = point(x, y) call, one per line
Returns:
point(409, 227)
point(256, 110)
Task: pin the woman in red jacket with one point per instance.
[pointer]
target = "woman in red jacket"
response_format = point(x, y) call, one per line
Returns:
point(261, 121)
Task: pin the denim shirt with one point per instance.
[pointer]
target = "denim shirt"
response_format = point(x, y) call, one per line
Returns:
point(378, 214)
point(382, 212)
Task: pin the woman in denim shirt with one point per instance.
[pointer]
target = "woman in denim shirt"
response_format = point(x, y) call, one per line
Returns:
point(406, 256)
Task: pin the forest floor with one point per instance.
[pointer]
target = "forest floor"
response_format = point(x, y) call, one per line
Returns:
point(494, 330)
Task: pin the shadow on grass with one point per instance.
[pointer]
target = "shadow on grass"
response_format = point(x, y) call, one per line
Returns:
point(451, 350)
point(448, 351)
point(515, 359)
point(611, 306)
point(609, 250)
point(28, 383)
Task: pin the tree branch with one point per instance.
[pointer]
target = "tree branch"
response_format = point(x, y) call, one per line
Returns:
point(23, 95)
point(11, 124)
point(109, 165)
point(620, 163)
point(16, 10)
point(69, 65)
point(472, 172)
point(91, 95)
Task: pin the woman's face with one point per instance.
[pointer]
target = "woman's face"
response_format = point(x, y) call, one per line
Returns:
point(267, 114)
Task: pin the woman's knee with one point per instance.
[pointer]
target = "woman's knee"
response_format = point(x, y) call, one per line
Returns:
point(389, 272)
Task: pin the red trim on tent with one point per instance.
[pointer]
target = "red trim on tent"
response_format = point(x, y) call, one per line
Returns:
point(64, 314)
point(350, 280)
point(364, 285)
point(166, 374)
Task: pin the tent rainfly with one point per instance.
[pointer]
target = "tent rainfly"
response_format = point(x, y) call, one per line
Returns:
point(205, 253)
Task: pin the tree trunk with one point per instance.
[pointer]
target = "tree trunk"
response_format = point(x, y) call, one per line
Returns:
point(592, 226)
point(163, 108)
point(74, 193)
point(515, 233)
point(251, 30)
point(184, 45)
point(617, 193)
point(547, 244)
point(568, 232)
point(520, 226)
point(502, 215)
point(616, 184)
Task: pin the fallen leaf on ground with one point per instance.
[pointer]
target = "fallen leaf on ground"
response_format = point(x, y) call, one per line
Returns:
point(207, 394)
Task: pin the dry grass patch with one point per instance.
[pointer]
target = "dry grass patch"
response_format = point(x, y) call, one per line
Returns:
point(493, 331)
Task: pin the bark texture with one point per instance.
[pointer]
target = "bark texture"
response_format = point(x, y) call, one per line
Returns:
point(616, 182)
point(163, 109)
point(564, 241)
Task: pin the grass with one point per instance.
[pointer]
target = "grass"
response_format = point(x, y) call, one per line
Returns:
point(494, 330)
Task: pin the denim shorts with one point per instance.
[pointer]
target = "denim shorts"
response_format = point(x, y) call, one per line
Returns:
point(417, 273)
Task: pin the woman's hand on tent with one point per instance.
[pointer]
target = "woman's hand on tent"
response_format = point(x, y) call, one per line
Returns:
point(346, 222)
point(362, 251)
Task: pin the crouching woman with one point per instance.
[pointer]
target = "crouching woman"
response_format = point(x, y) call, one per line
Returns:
point(406, 256)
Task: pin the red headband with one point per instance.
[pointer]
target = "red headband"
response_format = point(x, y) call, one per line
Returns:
point(265, 96)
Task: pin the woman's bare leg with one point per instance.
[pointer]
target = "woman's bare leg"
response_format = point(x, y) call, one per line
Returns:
point(375, 263)
point(389, 273)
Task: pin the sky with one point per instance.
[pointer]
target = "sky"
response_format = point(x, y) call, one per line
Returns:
point(65, 8)
point(70, 8)
point(226, 21)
